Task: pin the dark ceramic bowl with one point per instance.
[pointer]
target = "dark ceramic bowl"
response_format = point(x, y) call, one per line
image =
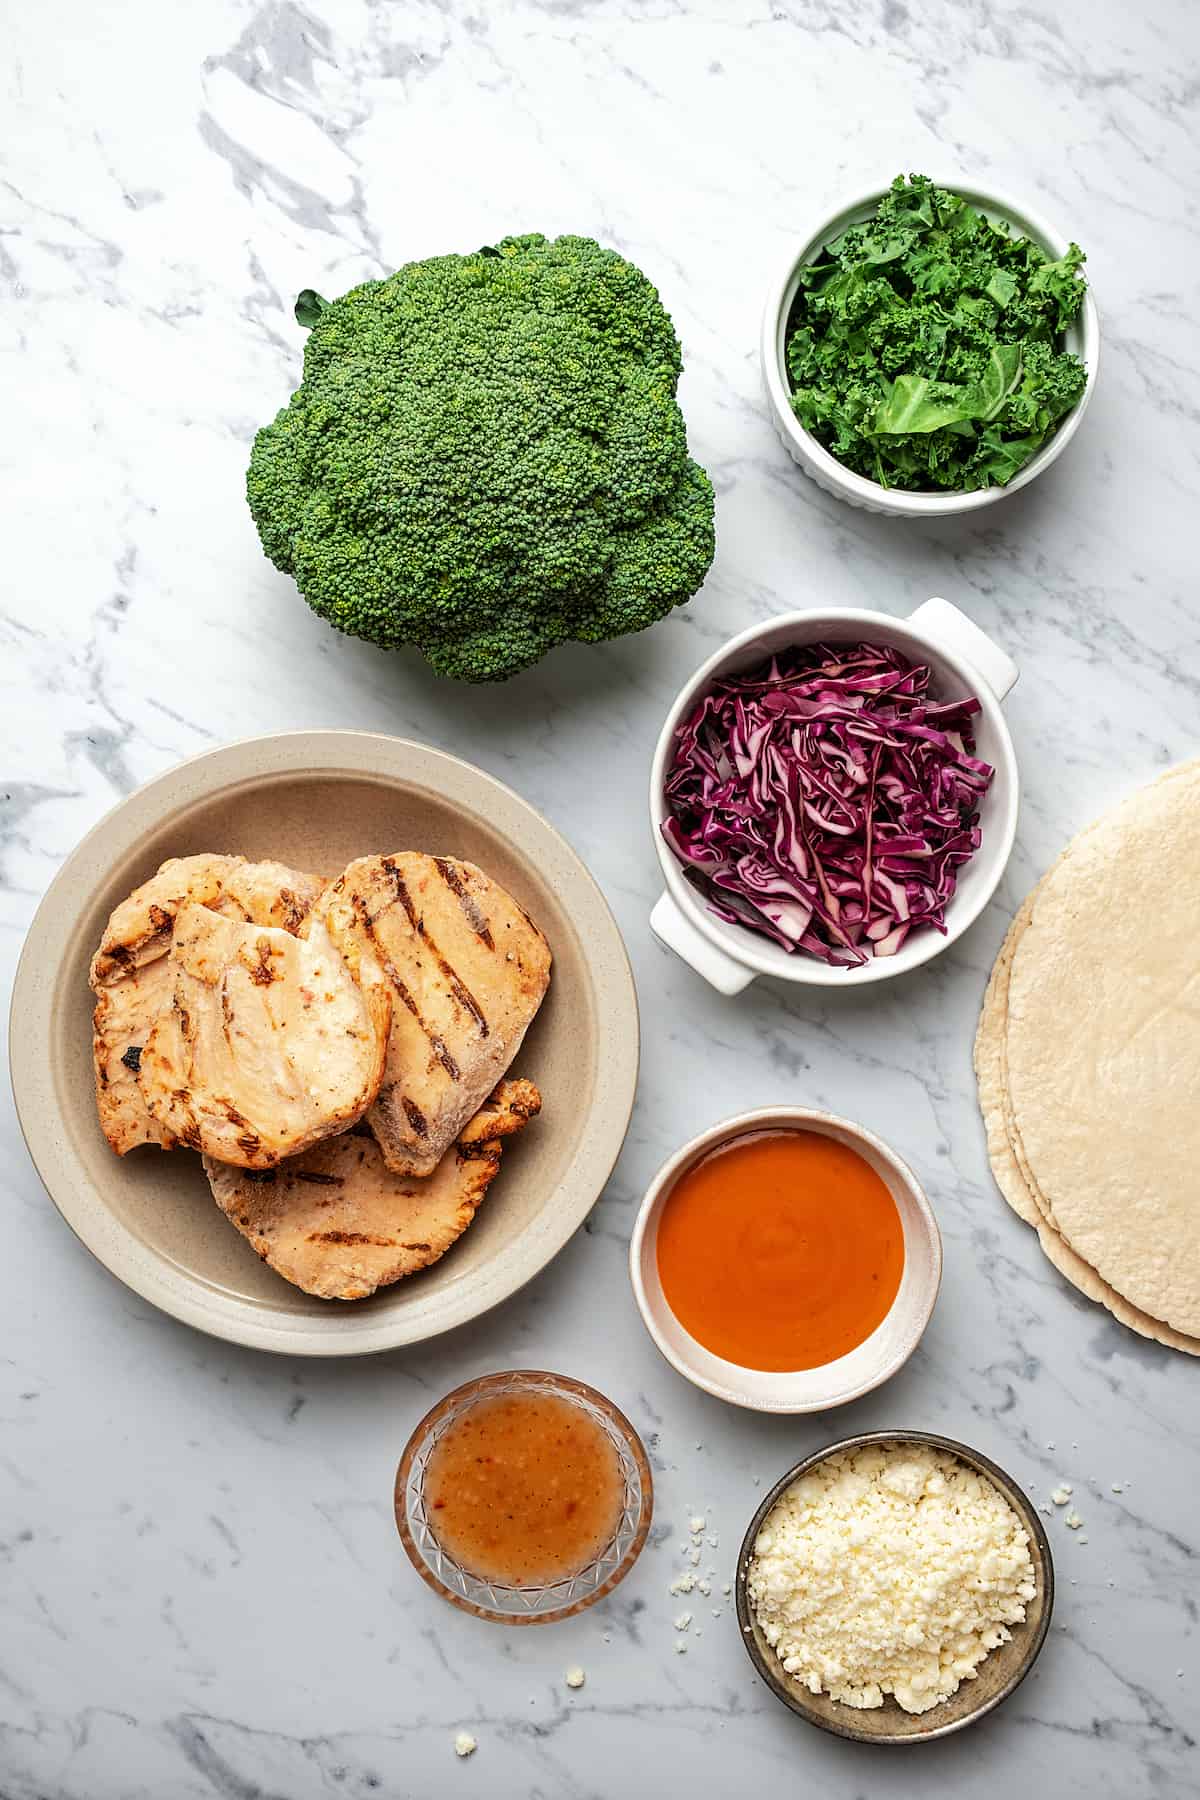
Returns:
point(998, 1675)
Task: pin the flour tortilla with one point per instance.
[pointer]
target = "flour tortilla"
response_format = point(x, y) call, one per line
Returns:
point(1013, 1182)
point(1103, 1050)
point(990, 1070)
point(1085, 1278)
point(1010, 1165)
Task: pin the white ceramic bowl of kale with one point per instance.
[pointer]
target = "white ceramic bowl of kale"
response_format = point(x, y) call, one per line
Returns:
point(785, 300)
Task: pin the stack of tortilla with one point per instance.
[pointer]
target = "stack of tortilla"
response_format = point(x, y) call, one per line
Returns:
point(1088, 1060)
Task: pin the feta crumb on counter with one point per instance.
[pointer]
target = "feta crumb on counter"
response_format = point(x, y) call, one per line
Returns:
point(1072, 1521)
point(575, 1676)
point(465, 1744)
point(680, 1646)
point(683, 1621)
point(1061, 1494)
point(697, 1523)
point(683, 1584)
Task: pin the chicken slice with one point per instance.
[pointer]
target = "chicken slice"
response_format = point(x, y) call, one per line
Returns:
point(270, 1042)
point(339, 1223)
point(129, 970)
point(468, 968)
point(121, 1020)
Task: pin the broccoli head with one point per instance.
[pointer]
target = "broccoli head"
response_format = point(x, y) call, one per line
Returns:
point(485, 458)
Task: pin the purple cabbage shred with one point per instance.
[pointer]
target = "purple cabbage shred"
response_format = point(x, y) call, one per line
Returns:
point(825, 801)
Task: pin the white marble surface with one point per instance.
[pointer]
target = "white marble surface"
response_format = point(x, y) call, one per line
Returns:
point(203, 1593)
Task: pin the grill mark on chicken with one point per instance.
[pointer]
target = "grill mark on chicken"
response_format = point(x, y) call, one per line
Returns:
point(402, 894)
point(470, 906)
point(262, 973)
point(481, 1152)
point(415, 1116)
point(132, 1059)
point(457, 986)
point(462, 993)
point(363, 914)
point(349, 1237)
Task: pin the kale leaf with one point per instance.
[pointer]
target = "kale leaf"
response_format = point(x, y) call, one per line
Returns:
point(925, 344)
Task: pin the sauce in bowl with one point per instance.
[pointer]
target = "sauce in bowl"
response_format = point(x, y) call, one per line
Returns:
point(780, 1250)
point(524, 1488)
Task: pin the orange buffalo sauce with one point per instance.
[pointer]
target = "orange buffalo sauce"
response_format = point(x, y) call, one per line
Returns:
point(524, 1489)
point(780, 1250)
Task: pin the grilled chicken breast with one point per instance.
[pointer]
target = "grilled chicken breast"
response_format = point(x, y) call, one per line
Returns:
point(339, 1223)
point(129, 970)
point(468, 969)
point(270, 1042)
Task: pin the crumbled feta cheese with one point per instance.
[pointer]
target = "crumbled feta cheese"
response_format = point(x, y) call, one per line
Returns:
point(716, 1612)
point(1061, 1494)
point(681, 1646)
point(705, 1587)
point(683, 1621)
point(696, 1524)
point(465, 1744)
point(683, 1584)
point(727, 1587)
point(713, 1541)
point(1072, 1521)
point(889, 1572)
point(694, 1558)
point(575, 1676)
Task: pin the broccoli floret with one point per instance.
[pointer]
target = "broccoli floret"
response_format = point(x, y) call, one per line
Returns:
point(485, 458)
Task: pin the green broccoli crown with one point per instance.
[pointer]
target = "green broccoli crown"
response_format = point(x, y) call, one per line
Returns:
point(485, 458)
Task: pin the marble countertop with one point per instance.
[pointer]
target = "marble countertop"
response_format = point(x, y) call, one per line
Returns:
point(203, 1591)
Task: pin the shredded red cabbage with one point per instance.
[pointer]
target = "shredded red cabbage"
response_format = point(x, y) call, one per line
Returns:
point(825, 801)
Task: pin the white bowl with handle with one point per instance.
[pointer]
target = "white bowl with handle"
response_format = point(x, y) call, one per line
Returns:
point(964, 660)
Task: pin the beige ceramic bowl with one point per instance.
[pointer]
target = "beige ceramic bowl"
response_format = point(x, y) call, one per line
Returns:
point(834, 1383)
point(316, 800)
point(1002, 1671)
